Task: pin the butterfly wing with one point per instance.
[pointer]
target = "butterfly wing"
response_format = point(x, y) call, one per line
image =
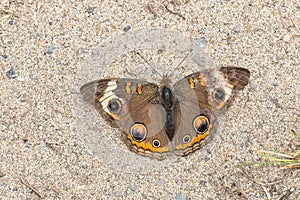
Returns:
point(203, 96)
point(134, 107)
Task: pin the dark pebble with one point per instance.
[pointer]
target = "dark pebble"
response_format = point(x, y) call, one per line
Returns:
point(11, 22)
point(11, 74)
point(127, 28)
point(5, 56)
point(90, 10)
point(25, 140)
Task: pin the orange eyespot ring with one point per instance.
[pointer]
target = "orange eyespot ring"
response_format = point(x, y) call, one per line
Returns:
point(156, 143)
point(138, 131)
point(114, 105)
point(201, 124)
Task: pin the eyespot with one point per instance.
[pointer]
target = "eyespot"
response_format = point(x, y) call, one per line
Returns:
point(114, 105)
point(219, 94)
point(138, 131)
point(201, 124)
point(156, 143)
point(186, 139)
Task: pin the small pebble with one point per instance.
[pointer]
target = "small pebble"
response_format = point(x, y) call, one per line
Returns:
point(84, 166)
point(128, 191)
point(200, 43)
point(180, 197)
point(5, 56)
point(11, 74)
point(11, 22)
point(25, 140)
point(50, 50)
point(90, 10)
point(19, 78)
point(253, 85)
point(275, 59)
point(236, 29)
point(50, 23)
point(95, 52)
point(133, 187)
point(127, 28)
point(286, 38)
point(2, 137)
point(118, 194)
point(5, 3)
point(160, 182)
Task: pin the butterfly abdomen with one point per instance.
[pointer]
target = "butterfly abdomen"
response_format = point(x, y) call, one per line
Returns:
point(167, 99)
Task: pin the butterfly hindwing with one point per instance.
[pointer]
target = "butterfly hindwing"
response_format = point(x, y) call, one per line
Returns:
point(195, 113)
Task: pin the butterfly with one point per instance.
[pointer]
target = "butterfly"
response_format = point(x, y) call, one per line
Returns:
point(158, 119)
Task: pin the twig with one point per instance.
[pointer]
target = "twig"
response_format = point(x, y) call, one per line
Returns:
point(266, 191)
point(287, 194)
point(261, 183)
point(98, 27)
point(32, 188)
point(258, 182)
point(173, 12)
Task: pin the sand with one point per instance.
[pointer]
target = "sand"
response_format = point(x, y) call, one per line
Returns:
point(45, 43)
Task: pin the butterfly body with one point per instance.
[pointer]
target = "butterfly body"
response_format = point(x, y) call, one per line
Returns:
point(156, 120)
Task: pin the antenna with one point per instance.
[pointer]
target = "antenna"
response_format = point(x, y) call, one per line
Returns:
point(190, 51)
point(138, 53)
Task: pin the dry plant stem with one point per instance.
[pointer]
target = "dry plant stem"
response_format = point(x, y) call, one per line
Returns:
point(98, 27)
point(286, 195)
point(288, 160)
point(32, 188)
point(258, 182)
point(261, 183)
point(267, 193)
point(274, 153)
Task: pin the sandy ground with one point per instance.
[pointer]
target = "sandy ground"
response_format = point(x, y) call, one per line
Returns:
point(43, 156)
